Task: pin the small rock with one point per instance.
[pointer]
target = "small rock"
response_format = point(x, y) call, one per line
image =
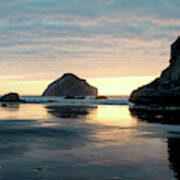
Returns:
point(101, 97)
point(11, 97)
point(70, 97)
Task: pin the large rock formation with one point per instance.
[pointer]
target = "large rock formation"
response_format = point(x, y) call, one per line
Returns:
point(70, 85)
point(11, 97)
point(164, 90)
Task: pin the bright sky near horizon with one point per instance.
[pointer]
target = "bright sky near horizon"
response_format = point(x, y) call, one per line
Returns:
point(106, 86)
point(117, 44)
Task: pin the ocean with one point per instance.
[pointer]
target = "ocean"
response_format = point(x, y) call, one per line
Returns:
point(85, 139)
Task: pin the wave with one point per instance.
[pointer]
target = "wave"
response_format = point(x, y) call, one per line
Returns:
point(120, 100)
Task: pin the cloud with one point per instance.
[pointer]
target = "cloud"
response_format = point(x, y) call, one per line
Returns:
point(86, 34)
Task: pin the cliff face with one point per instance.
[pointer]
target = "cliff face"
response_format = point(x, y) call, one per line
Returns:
point(164, 90)
point(70, 85)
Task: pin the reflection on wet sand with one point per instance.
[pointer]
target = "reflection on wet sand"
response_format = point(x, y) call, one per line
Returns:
point(23, 111)
point(114, 116)
point(10, 106)
point(21, 130)
point(102, 142)
point(173, 143)
point(163, 117)
point(69, 111)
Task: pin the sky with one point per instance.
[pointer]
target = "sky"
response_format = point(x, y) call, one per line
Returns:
point(99, 40)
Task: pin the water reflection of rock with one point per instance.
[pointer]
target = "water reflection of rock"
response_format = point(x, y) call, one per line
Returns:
point(173, 143)
point(174, 155)
point(163, 117)
point(10, 106)
point(20, 137)
point(70, 111)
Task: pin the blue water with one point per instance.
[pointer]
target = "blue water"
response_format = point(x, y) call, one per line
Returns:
point(85, 139)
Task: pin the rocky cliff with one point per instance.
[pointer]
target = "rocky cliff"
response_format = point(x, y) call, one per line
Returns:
point(164, 90)
point(70, 85)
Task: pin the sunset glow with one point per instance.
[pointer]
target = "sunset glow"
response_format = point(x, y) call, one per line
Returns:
point(106, 86)
point(89, 89)
point(111, 43)
point(119, 86)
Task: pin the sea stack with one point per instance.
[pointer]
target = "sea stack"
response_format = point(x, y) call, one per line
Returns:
point(165, 90)
point(70, 85)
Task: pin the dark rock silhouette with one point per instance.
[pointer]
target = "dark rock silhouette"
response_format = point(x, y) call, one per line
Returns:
point(164, 90)
point(80, 97)
point(75, 97)
point(11, 97)
point(70, 85)
point(70, 97)
point(101, 97)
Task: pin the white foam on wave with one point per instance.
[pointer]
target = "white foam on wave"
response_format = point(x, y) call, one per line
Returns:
point(87, 101)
